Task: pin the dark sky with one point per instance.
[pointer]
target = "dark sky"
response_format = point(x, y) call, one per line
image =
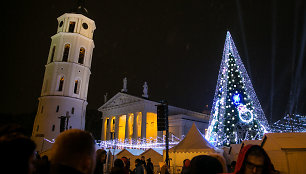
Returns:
point(176, 46)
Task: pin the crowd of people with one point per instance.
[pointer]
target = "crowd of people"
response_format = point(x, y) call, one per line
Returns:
point(74, 153)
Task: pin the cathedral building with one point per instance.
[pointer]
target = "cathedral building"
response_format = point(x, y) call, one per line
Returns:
point(128, 117)
point(63, 99)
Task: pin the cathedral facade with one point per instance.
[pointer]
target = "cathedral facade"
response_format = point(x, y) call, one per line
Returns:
point(128, 117)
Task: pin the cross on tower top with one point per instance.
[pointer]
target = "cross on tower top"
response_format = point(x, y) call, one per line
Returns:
point(79, 7)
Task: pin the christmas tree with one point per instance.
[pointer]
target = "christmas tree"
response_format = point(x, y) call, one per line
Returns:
point(236, 113)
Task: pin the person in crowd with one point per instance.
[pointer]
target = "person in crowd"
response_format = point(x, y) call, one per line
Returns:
point(143, 162)
point(43, 165)
point(253, 159)
point(232, 166)
point(222, 161)
point(164, 169)
point(138, 167)
point(100, 161)
point(126, 163)
point(186, 167)
point(17, 153)
point(205, 164)
point(73, 152)
point(150, 166)
point(118, 167)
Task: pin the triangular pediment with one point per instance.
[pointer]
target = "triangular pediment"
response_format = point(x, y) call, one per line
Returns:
point(120, 99)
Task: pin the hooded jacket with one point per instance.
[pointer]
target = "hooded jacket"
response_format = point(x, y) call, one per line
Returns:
point(268, 167)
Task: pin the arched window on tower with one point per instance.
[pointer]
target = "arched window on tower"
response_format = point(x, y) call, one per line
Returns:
point(52, 54)
point(71, 26)
point(61, 83)
point(76, 86)
point(66, 52)
point(81, 55)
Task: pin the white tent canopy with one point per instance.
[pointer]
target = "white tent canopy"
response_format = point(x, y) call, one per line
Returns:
point(193, 142)
point(192, 145)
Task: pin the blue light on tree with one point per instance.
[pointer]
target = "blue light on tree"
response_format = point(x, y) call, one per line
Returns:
point(236, 113)
point(236, 99)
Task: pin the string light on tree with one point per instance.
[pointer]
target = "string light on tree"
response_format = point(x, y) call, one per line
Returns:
point(239, 116)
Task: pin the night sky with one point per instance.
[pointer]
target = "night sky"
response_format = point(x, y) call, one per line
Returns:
point(176, 46)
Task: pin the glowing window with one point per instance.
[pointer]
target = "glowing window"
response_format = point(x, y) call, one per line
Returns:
point(66, 52)
point(71, 27)
point(81, 55)
point(61, 83)
point(76, 87)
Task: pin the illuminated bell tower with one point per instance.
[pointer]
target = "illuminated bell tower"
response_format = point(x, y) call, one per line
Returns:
point(63, 100)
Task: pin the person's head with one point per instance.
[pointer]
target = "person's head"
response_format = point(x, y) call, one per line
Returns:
point(137, 161)
point(149, 160)
point(118, 163)
point(101, 156)
point(75, 148)
point(232, 166)
point(125, 160)
point(186, 163)
point(202, 163)
point(45, 158)
point(17, 153)
point(143, 158)
point(221, 160)
point(255, 161)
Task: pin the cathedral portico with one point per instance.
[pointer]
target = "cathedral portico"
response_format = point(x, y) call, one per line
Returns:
point(135, 118)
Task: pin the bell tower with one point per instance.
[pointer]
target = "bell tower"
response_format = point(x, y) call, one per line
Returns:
point(63, 99)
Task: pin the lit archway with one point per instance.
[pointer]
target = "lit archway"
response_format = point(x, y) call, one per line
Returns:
point(121, 130)
point(131, 125)
point(151, 131)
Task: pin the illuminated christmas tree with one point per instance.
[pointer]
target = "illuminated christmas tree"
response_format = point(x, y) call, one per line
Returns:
point(236, 113)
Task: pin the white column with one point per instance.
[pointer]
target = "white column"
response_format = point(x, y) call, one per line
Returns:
point(127, 126)
point(144, 125)
point(108, 132)
point(135, 127)
point(117, 127)
point(103, 129)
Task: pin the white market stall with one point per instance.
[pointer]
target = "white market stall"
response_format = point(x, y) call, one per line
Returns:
point(287, 151)
point(156, 157)
point(192, 145)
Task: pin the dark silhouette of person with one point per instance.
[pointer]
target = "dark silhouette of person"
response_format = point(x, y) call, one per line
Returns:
point(186, 167)
point(43, 165)
point(232, 166)
point(139, 169)
point(126, 165)
point(17, 153)
point(100, 161)
point(73, 152)
point(118, 167)
point(143, 162)
point(150, 166)
point(205, 164)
